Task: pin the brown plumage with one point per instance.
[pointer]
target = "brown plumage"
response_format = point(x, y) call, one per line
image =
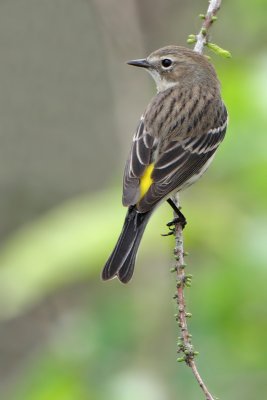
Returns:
point(176, 139)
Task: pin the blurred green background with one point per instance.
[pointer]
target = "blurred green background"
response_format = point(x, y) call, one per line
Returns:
point(69, 106)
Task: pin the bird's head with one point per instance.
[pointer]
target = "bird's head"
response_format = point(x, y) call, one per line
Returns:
point(172, 65)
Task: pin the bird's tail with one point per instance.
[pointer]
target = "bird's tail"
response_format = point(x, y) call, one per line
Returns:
point(122, 260)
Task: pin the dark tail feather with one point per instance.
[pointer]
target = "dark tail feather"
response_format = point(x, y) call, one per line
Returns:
point(125, 272)
point(122, 260)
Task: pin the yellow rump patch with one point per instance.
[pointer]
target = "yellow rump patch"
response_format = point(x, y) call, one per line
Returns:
point(146, 180)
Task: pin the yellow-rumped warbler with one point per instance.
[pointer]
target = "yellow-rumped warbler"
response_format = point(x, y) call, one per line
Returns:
point(173, 146)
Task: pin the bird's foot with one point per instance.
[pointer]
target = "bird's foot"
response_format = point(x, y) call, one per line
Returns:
point(177, 220)
point(171, 225)
point(171, 232)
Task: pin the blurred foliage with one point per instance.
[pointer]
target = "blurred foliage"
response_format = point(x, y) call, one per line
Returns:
point(64, 245)
point(97, 341)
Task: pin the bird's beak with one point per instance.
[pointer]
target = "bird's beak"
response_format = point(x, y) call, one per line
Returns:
point(142, 62)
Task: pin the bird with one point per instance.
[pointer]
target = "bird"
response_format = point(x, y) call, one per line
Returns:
point(174, 144)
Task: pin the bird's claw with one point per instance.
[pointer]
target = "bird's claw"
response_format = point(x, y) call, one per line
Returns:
point(171, 225)
point(173, 222)
point(172, 230)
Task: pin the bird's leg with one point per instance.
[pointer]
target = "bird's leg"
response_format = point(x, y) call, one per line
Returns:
point(180, 216)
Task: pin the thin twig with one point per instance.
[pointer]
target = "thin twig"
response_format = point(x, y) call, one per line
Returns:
point(202, 37)
point(182, 279)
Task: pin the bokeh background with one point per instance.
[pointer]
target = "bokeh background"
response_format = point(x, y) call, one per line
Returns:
point(69, 106)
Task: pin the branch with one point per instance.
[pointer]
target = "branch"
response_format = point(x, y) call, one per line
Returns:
point(209, 18)
point(202, 39)
point(183, 280)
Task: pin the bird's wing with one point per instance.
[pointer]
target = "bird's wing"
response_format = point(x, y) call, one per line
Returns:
point(138, 161)
point(182, 162)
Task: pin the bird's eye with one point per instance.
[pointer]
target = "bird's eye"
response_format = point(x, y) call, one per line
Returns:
point(166, 62)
